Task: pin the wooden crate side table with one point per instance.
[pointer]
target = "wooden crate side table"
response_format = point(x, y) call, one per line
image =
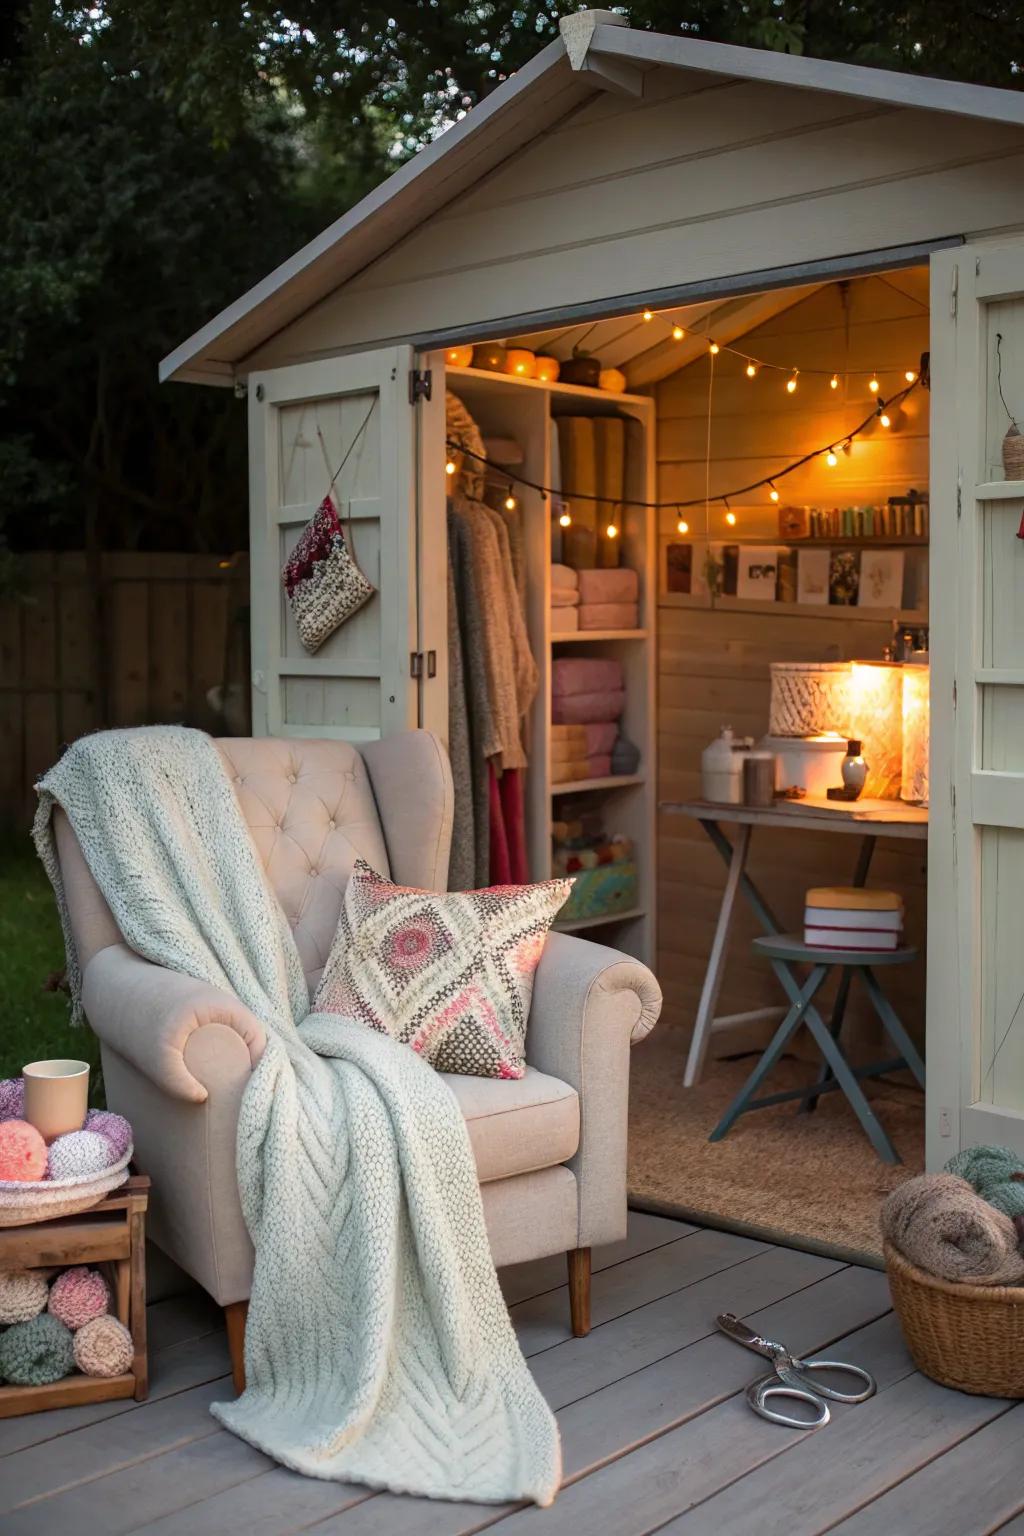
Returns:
point(111, 1233)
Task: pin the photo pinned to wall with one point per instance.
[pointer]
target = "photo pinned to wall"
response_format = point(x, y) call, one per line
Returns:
point(812, 576)
point(757, 572)
point(679, 567)
point(881, 579)
point(843, 578)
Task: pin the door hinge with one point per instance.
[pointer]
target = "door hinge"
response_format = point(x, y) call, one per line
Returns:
point(420, 384)
point(953, 290)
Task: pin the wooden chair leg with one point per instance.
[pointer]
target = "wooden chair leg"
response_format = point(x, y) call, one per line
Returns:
point(234, 1316)
point(579, 1291)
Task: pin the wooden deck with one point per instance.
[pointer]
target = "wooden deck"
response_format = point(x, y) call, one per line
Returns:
point(656, 1434)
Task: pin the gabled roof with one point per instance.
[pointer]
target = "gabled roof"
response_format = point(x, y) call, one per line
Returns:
point(595, 52)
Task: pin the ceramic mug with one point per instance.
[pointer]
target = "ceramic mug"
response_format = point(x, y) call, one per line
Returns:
point(56, 1095)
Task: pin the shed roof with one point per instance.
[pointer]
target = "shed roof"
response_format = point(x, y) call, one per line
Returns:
point(595, 52)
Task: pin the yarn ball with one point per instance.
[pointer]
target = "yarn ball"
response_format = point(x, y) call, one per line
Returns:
point(114, 1127)
point(79, 1152)
point(22, 1152)
point(103, 1347)
point(35, 1353)
point(941, 1225)
point(995, 1173)
point(22, 1294)
point(79, 1295)
point(12, 1098)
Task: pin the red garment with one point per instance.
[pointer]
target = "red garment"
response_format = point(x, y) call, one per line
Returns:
point(511, 793)
point(501, 865)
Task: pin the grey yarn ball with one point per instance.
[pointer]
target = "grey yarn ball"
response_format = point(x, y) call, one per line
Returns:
point(35, 1353)
point(79, 1152)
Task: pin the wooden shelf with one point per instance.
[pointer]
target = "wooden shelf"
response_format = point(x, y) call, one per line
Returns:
point(512, 381)
point(1000, 490)
point(612, 781)
point(579, 924)
point(824, 541)
point(842, 611)
point(576, 635)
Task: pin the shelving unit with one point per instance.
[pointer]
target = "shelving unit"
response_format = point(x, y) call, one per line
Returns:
point(525, 409)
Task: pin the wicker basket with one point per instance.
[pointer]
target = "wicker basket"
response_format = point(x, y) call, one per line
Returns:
point(809, 698)
point(1013, 453)
point(970, 1337)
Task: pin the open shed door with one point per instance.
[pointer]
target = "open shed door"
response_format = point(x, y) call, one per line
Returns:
point(383, 670)
point(976, 838)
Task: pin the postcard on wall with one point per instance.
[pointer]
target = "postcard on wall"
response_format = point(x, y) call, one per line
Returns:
point(881, 579)
point(812, 576)
point(756, 572)
point(678, 567)
point(707, 574)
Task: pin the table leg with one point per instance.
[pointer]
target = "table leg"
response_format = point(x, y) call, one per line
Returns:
point(844, 1075)
point(893, 1026)
point(713, 976)
point(800, 997)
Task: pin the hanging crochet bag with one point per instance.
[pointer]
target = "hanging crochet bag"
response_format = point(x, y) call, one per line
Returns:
point(322, 577)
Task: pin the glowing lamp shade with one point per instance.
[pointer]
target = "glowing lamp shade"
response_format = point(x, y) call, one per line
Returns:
point(545, 369)
point(914, 785)
point(459, 357)
point(520, 362)
point(876, 719)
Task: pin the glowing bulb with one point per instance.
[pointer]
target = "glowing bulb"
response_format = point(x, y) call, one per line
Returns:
point(449, 468)
point(910, 375)
point(565, 520)
point(648, 314)
point(612, 531)
point(791, 383)
point(682, 526)
point(520, 367)
point(730, 518)
point(773, 494)
point(714, 348)
point(678, 333)
point(885, 420)
point(751, 370)
point(874, 385)
point(510, 502)
point(830, 459)
point(833, 382)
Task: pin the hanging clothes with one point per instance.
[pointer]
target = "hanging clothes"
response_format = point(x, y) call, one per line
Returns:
point(474, 703)
point(462, 860)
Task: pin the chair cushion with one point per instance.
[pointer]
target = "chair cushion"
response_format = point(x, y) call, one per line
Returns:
point(311, 811)
point(520, 1124)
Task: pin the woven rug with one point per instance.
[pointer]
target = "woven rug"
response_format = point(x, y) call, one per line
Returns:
point(811, 1181)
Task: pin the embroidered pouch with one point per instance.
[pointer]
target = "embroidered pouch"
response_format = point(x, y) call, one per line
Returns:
point(324, 584)
point(449, 973)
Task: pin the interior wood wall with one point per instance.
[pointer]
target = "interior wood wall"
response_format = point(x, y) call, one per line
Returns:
point(713, 665)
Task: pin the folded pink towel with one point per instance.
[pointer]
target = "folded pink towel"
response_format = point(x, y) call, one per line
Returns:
point(565, 576)
point(616, 584)
point(608, 615)
point(564, 597)
point(588, 708)
point(601, 737)
point(586, 674)
point(600, 766)
point(565, 621)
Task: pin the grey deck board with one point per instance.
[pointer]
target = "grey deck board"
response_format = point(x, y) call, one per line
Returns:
point(656, 1434)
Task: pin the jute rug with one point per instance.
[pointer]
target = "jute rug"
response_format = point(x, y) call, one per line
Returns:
point(811, 1181)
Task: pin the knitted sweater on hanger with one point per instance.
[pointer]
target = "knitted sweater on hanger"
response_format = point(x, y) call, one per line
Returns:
point(378, 1346)
point(494, 625)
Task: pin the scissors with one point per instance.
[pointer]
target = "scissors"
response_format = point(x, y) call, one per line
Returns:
point(794, 1378)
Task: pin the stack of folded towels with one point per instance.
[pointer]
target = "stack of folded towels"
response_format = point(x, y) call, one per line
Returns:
point(850, 917)
point(582, 751)
point(599, 599)
point(587, 698)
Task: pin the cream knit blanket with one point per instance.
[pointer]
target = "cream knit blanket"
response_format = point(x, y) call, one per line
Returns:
point(378, 1345)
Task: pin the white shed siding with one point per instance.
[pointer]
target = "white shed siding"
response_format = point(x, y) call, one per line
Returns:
point(730, 177)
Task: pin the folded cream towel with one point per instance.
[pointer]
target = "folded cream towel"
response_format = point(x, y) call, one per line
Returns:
point(565, 621)
point(564, 597)
point(608, 615)
point(565, 576)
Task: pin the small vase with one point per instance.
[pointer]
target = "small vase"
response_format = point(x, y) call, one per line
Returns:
point(854, 769)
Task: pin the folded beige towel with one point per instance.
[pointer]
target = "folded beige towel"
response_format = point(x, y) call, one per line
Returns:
point(564, 577)
point(564, 597)
point(565, 621)
point(608, 615)
point(570, 773)
point(940, 1224)
point(577, 734)
point(619, 585)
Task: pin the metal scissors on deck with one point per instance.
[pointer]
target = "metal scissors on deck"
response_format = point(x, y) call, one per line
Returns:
point(791, 1377)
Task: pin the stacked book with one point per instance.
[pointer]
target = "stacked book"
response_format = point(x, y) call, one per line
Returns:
point(849, 917)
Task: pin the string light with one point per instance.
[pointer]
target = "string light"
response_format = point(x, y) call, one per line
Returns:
point(885, 419)
point(833, 382)
point(510, 501)
point(730, 518)
point(682, 526)
point(873, 384)
point(773, 494)
point(648, 314)
point(910, 375)
point(830, 458)
point(565, 518)
point(678, 333)
point(714, 348)
point(791, 382)
point(449, 468)
point(612, 531)
point(751, 370)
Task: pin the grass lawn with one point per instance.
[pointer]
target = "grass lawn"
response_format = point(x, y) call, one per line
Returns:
point(33, 1022)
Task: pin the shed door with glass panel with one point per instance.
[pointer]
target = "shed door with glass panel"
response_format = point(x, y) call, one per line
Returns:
point(348, 417)
point(976, 875)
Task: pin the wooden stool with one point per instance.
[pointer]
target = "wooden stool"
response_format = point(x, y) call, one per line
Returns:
point(786, 950)
point(112, 1236)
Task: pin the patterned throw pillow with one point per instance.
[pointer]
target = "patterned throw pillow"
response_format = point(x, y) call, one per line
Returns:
point(449, 973)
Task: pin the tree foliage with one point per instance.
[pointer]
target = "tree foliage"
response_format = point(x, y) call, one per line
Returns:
point(162, 155)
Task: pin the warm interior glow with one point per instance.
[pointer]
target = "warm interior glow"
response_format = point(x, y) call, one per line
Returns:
point(876, 719)
point(914, 777)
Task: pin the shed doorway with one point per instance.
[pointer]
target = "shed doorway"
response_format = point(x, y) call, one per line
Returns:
point(761, 463)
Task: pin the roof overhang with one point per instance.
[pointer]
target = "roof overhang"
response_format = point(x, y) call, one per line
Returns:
point(595, 52)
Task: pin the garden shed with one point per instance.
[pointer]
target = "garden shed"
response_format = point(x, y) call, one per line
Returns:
point(802, 285)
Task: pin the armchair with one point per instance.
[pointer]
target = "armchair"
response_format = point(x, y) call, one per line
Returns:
point(550, 1149)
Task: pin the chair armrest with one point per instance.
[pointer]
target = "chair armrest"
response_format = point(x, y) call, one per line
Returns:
point(589, 1004)
point(151, 1016)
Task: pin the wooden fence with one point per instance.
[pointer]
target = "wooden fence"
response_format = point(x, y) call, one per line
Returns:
point(142, 639)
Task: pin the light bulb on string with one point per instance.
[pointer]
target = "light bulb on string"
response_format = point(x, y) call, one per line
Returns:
point(648, 314)
point(885, 418)
point(682, 526)
point(730, 515)
point(510, 501)
point(910, 375)
point(714, 348)
point(612, 531)
point(751, 369)
point(833, 382)
point(830, 458)
point(848, 447)
point(873, 384)
point(449, 468)
point(791, 382)
point(565, 516)
point(678, 333)
point(773, 494)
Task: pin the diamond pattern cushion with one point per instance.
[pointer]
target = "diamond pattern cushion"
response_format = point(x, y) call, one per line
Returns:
point(450, 974)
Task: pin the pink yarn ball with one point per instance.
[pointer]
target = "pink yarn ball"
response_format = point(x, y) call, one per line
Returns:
point(114, 1127)
point(77, 1296)
point(12, 1098)
point(104, 1348)
point(22, 1152)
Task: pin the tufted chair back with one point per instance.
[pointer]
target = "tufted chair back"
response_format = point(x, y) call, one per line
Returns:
point(313, 808)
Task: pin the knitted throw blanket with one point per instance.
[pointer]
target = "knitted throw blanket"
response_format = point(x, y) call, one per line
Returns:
point(378, 1345)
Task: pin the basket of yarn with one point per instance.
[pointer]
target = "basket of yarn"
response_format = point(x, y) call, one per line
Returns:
point(956, 1271)
point(50, 1330)
point(38, 1183)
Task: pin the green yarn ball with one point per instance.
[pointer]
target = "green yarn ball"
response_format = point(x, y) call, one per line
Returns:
point(996, 1174)
point(35, 1353)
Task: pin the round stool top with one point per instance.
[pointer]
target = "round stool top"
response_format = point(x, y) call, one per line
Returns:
point(791, 946)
